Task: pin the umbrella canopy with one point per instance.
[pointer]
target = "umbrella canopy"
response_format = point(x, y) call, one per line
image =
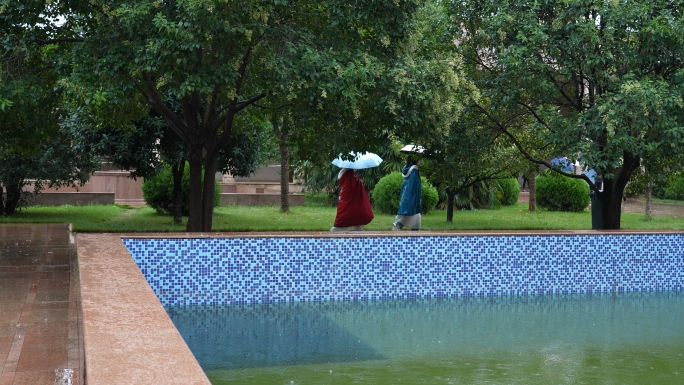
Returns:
point(360, 161)
point(411, 149)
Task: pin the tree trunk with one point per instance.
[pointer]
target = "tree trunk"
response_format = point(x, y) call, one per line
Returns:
point(613, 189)
point(649, 198)
point(611, 204)
point(177, 172)
point(195, 191)
point(13, 187)
point(2, 200)
point(282, 136)
point(450, 205)
point(532, 198)
point(284, 177)
point(208, 193)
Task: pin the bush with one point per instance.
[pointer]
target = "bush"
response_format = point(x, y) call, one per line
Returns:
point(158, 191)
point(509, 189)
point(675, 187)
point(559, 193)
point(387, 191)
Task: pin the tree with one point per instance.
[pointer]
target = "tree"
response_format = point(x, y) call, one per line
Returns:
point(600, 81)
point(211, 56)
point(466, 158)
point(55, 157)
point(39, 144)
point(148, 144)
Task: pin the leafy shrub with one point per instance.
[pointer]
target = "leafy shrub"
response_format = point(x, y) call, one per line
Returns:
point(559, 193)
point(387, 191)
point(158, 191)
point(509, 189)
point(675, 187)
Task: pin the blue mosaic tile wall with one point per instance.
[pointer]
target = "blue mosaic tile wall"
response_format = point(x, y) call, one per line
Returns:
point(264, 270)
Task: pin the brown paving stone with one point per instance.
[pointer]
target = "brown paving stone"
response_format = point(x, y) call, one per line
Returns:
point(55, 260)
point(49, 315)
point(54, 284)
point(10, 316)
point(57, 269)
point(42, 358)
point(7, 378)
point(13, 294)
point(20, 261)
point(52, 296)
point(5, 345)
point(15, 275)
point(51, 305)
point(47, 334)
point(17, 269)
point(10, 306)
point(35, 378)
point(8, 329)
point(16, 281)
point(54, 275)
point(51, 377)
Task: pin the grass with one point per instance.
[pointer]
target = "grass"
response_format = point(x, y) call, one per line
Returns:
point(317, 216)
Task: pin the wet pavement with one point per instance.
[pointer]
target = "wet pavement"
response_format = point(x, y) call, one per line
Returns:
point(40, 310)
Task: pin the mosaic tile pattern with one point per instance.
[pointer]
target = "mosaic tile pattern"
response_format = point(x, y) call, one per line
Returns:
point(266, 270)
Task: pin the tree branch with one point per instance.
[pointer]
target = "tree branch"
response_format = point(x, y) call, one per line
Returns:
point(526, 154)
point(57, 41)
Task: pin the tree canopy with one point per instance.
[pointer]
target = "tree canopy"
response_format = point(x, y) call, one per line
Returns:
point(600, 81)
point(220, 57)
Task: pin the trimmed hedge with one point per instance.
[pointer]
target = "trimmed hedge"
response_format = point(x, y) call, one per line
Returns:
point(559, 193)
point(387, 190)
point(158, 191)
point(509, 189)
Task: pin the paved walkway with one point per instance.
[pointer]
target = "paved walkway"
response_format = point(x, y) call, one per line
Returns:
point(635, 206)
point(40, 310)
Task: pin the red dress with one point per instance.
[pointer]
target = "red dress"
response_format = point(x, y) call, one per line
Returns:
point(353, 208)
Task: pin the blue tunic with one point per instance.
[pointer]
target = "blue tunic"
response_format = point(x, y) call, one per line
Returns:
point(410, 198)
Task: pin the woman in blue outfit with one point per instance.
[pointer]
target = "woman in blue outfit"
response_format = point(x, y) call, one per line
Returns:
point(410, 205)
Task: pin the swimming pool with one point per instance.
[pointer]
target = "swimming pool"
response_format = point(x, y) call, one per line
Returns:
point(295, 269)
point(607, 308)
point(607, 338)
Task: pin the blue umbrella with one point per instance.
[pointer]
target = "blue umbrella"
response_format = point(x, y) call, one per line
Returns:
point(360, 161)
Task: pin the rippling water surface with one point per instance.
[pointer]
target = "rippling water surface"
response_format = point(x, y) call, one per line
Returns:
point(631, 338)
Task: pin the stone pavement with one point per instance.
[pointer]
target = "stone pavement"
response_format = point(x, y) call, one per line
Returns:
point(40, 308)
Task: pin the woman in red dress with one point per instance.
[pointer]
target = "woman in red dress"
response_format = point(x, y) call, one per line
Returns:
point(353, 207)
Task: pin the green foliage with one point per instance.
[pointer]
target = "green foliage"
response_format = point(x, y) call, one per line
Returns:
point(639, 180)
point(388, 189)
point(559, 193)
point(158, 191)
point(601, 79)
point(509, 189)
point(429, 195)
point(386, 193)
point(675, 187)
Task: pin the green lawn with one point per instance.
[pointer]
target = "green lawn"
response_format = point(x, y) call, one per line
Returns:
point(316, 216)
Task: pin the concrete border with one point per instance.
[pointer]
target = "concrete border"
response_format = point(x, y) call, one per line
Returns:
point(128, 337)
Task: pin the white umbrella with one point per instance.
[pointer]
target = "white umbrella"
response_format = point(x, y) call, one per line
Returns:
point(411, 149)
point(360, 161)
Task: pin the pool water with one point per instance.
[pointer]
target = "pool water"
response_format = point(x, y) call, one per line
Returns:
point(617, 338)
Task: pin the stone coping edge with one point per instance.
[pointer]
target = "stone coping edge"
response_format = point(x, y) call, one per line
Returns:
point(384, 234)
point(128, 336)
